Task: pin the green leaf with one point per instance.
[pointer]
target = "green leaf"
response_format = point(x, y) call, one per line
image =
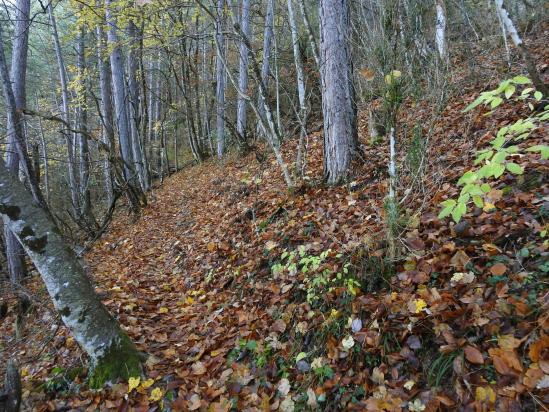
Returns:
point(478, 201)
point(498, 170)
point(458, 212)
point(477, 102)
point(521, 80)
point(538, 95)
point(496, 102)
point(483, 155)
point(445, 212)
point(498, 141)
point(464, 198)
point(509, 91)
point(499, 157)
point(485, 187)
point(526, 91)
point(468, 177)
point(300, 356)
point(543, 149)
point(449, 202)
point(514, 168)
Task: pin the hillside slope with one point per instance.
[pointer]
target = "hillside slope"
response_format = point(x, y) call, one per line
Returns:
point(202, 283)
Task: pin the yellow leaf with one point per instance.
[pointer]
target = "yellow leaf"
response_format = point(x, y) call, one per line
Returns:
point(156, 395)
point(485, 394)
point(147, 384)
point(133, 383)
point(163, 310)
point(489, 207)
point(24, 372)
point(189, 300)
point(418, 305)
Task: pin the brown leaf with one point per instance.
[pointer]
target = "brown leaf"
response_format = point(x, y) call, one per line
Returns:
point(473, 355)
point(498, 269)
point(459, 260)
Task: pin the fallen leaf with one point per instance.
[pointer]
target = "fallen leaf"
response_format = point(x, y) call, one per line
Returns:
point(498, 269)
point(473, 355)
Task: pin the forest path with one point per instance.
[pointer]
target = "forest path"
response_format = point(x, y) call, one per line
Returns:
point(155, 276)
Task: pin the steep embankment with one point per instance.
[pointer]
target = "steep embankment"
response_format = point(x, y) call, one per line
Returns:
point(201, 284)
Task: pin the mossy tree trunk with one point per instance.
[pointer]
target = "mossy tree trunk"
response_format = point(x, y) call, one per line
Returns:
point(111, 352)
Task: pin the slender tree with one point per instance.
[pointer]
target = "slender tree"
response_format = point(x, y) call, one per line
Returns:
point(243, 69)
point(14, 251)
point(111, 352)
point(65, 111)
point(220, 80)
point(338, 102)
point(106, 109)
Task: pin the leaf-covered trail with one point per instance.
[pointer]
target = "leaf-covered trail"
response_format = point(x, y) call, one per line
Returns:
point(153, 274)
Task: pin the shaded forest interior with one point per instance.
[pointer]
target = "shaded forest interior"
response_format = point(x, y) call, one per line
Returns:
point(259, 205)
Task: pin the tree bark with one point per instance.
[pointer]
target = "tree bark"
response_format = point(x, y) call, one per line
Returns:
point(243, 69)
point(106, 108)
point(519, 44)
point(220, 78)
point(140, 166)
point(338, 102)
point(14, 251)
point(82, 110)
point(265, 64)
point(111, 352)
point(440, 32)
point(120, 97)
point(73, 182)
point(302, 114)
point(312, 40)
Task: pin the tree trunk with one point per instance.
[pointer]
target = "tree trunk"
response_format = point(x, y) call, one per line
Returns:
point(106, 109)
point(44, 149)
point(140, 166)
point(265, 64)
point(243, 70)
point(338, 102)
point(73, 183)
point(111, 352)
point(120, 97)
point(220, 78)
point(519, 44)
point(82, 110)
point(302, 114)
point(440, 33)
point(15, 255)
point(312, 40)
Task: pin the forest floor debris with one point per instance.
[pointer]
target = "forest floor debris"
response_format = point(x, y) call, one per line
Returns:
point(206, 284)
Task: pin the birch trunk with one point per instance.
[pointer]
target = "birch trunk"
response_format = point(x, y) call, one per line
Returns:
point(120, 96)
point(265, 64)
point(338, 103)
point(243, 70)
point(65, 111)
point(220, 78)
point(106, 109)
point(307, 23)
point(85, 204)
point(140, 166)
point(300, 87)
point(519, 44)
point(111, 352)
point(440, 32)
point(15, 255)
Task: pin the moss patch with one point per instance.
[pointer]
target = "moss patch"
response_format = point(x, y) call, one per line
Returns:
point(120, 361)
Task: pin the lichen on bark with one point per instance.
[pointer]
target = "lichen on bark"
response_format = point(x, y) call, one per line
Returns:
point(118, 362)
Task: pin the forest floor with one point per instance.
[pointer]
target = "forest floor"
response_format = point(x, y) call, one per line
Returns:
point(202, 283)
